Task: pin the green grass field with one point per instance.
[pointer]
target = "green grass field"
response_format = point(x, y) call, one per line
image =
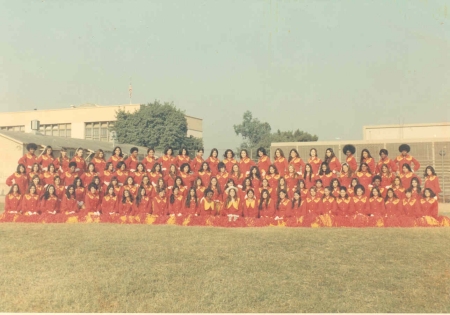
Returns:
point(140, 268)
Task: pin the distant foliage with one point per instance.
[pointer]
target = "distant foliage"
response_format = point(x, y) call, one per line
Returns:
point(258, 134)
point(155, 125)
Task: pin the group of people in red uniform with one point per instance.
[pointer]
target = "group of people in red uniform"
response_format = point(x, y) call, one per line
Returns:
point(176, 185)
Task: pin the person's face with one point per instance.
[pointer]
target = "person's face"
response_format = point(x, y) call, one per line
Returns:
point(35, 168)
point(404, 153)
point(429, 172)
point(326, 192)
point(110, 190)
point(319, 185)
point(377, 182)
point(277, 153)
point(49, 151)
point(271, 170)
point(15, 188)
point(296, 196)
point(205, 166)
point(192, 193)
point(114, 182)
point(80, 153)
point(359, 192)
point(97, 181)
point(36, 181)
point(384, 169)
point(22, 169)
point(183, 152)
point(178, 182)
point(229, 184)
point(390, 194)
point(265, 183)
point(123, 167)
point(365, 154)
point(176, 191)
point(414, 183)
point(354, 183)
point(32, 190)
point(91, 167)
point(260, 154)
point(405, 169)
point(383, 155)
point(169, 152)
point(130, 181)
point(397, 182)
point(291, 169)
point(345, 168)
point(93, 190)
point(293, 154)
point(151, 153)
point(243, 154)
point(222, 169)
point(335, 183)
point(229, 154)
point(145, 180)
point(140, 168)
point(200, 153)
point(282, 182)
point(250, 194)
point(308, 168)
point(186, 169)
point(57, 181)
point(160, 183)
point(158, 168)
point(427, 193)
point(78, 183)
point(313, 153)
point(110, 167)
point(328, 153)
point(247, 182)
point(265, 195)
point(364, 168)
point(375, 192)
point(324, 168)
point(348, 153)
point(51, 190)
point(215, 153)
point(282, 195)
point(126, 194)
point(301, 185)
point(117, 151)
point(63, 154)
point(209, 194)
point(199, 182)
point(408, 194)
point(232, 193)
point(254, 170)
point(235, 168)
point(312, 192)
point(135, 153)
point(173, 169)
point(342, 193)
point(162, 193)
point(101, 154)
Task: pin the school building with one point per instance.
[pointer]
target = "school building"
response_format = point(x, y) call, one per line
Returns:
point(88, 121)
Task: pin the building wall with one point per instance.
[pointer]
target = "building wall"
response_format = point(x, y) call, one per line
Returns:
point(405, 132)
point(12, 151)
point(78, 116)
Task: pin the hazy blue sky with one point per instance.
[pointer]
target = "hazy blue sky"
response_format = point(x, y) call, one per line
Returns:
point(326, 67)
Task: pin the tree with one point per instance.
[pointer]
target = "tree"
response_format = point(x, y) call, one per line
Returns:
point(155, 125)
point(258, 134)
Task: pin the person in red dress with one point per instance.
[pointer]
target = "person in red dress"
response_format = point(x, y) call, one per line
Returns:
point(431, 180)
point(266, 206)
point(415, 187)
point(369, 160)
point(245, 163)
point(49, 203)
point(92, 200)
point(199, 188)
point(406, 175)
point(13, 200)
point(335, 187)
point(250, 205)
point(273, 176)
point(160, 185)
point(351, 191)
point(332, 161)
point(386, 177)
point(265, 186)
point(292, 178)
point(80, 192)
point(186, 175)
point(376, 183)
point(156, 173)
point(48, 176)
point(375, 204)
point(150, 159)
point(167, 159)
point(313, 161)
point(345, 176)
point(398, 188)
point(282, 185)
point(109, 204)
point(176, 202)
point(139, 173)
point(130, 186)
point(222, 176)
point(207, 206)
point(91, 172)
point(79, 160)
point(296, 161)
point(236, 175)
point(69, 203)
point(230, 184)
point(191, 202)
point(35, 170)
point(384, 159)
point(328, 204)
point(59, 189)
point(116, 157)
point(40, 190)
point(364, 177)
point(99, 160)
point(349, 150)
point(159, 204)
point(20, 178)
point(183, 157)
point(63, 161)
point(392, 204)
point(263, 161)
point(29, 158)
point(229, 160)
point(404, 157)
point(280, 162)
point(216, 188)
point(283, 207)
point(145, 183)
point(359, 201)
point(309, 176)
point(429, 203)
point(143, 203)
point(325, 174)
point(47, 158)
point(68, 177)
point(205, 173)
point(255, 177)
point(311, 204)
point(117, 189)
point(121, 173)
point(213, 162)
point(30, 202)
point(132, 161)
point(246, 186)
point(410, 205)
point(303, 189)
point(296, 204)
point(343, 202)
point(320, 189)
point(197, 161)
point(232, 205)
point(126, 204)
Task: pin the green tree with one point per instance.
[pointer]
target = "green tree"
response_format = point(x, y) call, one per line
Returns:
point(155, 125)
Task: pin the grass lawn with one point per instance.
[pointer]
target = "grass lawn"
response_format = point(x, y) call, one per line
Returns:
point(141, 268)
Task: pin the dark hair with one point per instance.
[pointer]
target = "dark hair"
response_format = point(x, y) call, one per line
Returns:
point(114, 151)
point(143, 166)
point(368, 168)
point(334, 180)
point(46, 148)
point(359, 186)
point(92, 185)
point(31, 146)
point(257, 175)
point(419, 189)
point(219, 190)
point(12, 188)
point(275, 153)
point(262, 150)
point(432, 194)
point(243, 150)
point(261, 199)
point(290, 157)
point(124, 199)
point(274, 167)
point(108, 188)
point(114, 178)
point(188, 198)
point(150, 149)
point(108, 164)
point(126, 181)
point(251, 190)
point(409, 190)
point(375, 178)
point(175, 181)
point(167, 150)
point(97, 154)
point(387, 194)
point(35, 176)
point(310, 150)
point(384, 151)
point(207, 191)
point(139, 195)
point(120, 164)
point(354, 179)
point(195, 182)
point(180, 152)
point(208, 168)
point(68, 195)
point(375, 188)
point(30, 186)
point(299, 201)
point(362, 155)
point(310, 170)
point(327, 170)
point(184, 165)
point(226, 152)
point(90, 165)
point(134, 149)
point(244, 186)
point(400, 180)
point(330, 189)
point(279, 199)
point(76, 180)
point(301, 181)
point(172, 196)
point(407, 166)
point(18, 169)
point(72, 164)
point(345, 189)
point(220, 165)
point(46, 195)
point(201, 149)
point(214, 150)
point(433, 172)
point(236, 196)
point(153, 170)
point(349, 172)
point(328, 159)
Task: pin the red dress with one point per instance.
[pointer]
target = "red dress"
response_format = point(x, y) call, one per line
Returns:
point(45, 160)
point(267, 210)
point(406, 178)
point(166, 161)
point(222, 178)
point(68, 205)
point(429, 206)
point(315, 164)
point(298, 164)
point(310, 182)
point(159, 206)
point(284, 209)
point(311, 205)
point(386, 180)
point(273, 180)
point(326, 178)
point(64, 164)
point(121, 176)
point(20, 179)
point(133, 189)
point(344, 206)
point(351, 161)
point(263, 164)
point(206, 208)
point(359, 204)
point(68, 178)
point(213, 165)
point(87, 177)
point(407, 159)
point(232, 207)
point(99, 164)
point(344, 180)
point(154, 177)
point(196, 164)
point(432, 182)
point(137, 176)
point(365, 179)
point(250, 208)
point(229, 164)
point(390, 164)
point(181, 159)
point(13, 202)
point(81, 164)
point(28, 160)
point(282, 165)
point(393, 207)
point(399, 192)
point(59, 191)
point(411, 207)
point(376, 206)
point(91, 202)
point(80, 193)
point(200, 192)
point(328, 205)
point(49, 205)
point(205, 176)
point(237, 180)
point(371, 163)
point(335, 165)
point(188, 179)
point(47, 178)
point(109, 204)
point(144, 207)
point(30, 202)
point(114, 159)
point(192, 209)
point(131, 162)
point(125, 208)
point(177, 206)
point(245, 165)
point(148, 163)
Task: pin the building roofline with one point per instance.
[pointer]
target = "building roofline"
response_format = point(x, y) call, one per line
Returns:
point(337, 142)
point(408, 125)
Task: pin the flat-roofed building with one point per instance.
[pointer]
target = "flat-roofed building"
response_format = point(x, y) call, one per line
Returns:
point(88, 121)
point(407, 131)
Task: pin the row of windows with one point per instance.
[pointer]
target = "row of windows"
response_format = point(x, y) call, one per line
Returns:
point(13, 128)
point(98, 130)
point(56, 130)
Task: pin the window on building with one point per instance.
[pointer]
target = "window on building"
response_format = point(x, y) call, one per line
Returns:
point(13, 128)
point(56, 130)
point(98, 130)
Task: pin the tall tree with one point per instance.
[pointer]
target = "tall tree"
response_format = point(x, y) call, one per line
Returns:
point(154, 125)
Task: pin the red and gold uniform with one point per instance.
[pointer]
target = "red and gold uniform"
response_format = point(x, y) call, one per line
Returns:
point(28, 160)
point(81, 164)
point(114, 159)
point(213, 163)
point(20, 179)
point(411, 207)
point(429, 206)
point(121, 176)
point(64, 164)
point(263, 164)
point(80, 193)
point(196, 164)
point(371, 163)
point(250, 208)
point(125, 208)
point(181, 159)
point(232, 207)
point(32, 174)
point(131, 162)
point(359, 204)
point(45, 160)
point(177, 206)
point(47, 178)
point(245, 165)
point(109, 204)
point(205, 176)
point(284, 209)
point(206, 207)
point(326, 178)
point(311, 205)
point(49, 205)
point(149, 162)
point(133, 189)
point(315, 164)
point(99, 164)
point(407, 159)
point(393, 207)
point(282, 165)
point(238, 180)
point(192, 209)
point(88, 176)
point(144, 207)
point(13, 202)
point(298, 164)
point(375, 206)
point(68, 204)
point(334, 165)
point(365, 179)
point(222, 178)
point(399, 192)
point(273, 179)
point(406, 178)
point(390, 164)
point(229, 164)
point(328, 205)
point(310, 182)
point(166, 161)
point(344, 180)
point(30, 202)
point(200, 192)
point(387, 179)
point(187, 178)
point(137, 176)
point(59, 191)
point(159, 206)
point(351, 161)
point(267, 210)
point(432, 182)
point(155, 176)
point(68, 178)
point(344, 206)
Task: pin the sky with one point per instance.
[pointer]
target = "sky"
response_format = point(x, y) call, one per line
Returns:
point(324, 67)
